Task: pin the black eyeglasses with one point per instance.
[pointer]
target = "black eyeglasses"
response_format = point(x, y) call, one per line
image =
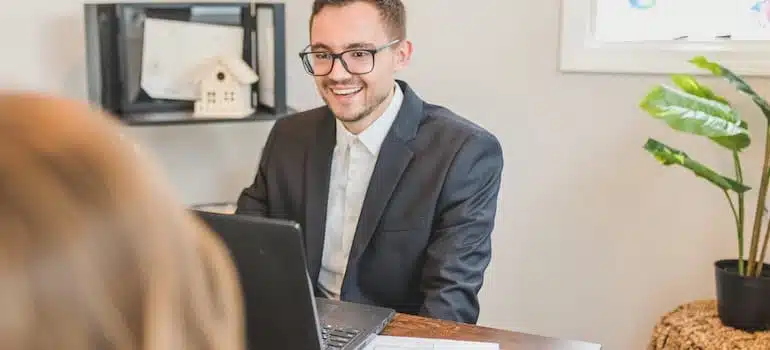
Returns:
point(356, 61)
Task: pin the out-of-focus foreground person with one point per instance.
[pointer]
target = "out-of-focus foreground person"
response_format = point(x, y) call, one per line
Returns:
point(95, 251)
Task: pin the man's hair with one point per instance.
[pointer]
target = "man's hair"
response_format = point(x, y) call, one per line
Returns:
point(392, 13)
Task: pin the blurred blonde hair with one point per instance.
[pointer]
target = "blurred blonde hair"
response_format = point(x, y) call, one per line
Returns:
point(95, 251)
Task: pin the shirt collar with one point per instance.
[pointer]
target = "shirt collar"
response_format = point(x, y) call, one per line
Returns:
point(373, 136)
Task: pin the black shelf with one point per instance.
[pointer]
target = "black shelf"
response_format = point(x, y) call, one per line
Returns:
point(113, 57)
point(220, 207)
point(187, 118)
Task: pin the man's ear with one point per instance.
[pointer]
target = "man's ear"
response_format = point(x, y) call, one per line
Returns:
point(403, 55)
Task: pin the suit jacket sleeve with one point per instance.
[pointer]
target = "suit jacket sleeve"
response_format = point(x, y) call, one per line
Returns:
point(254, 199)
point(460, 248)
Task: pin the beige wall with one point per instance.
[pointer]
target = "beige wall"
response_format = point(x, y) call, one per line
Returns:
point(594, 239)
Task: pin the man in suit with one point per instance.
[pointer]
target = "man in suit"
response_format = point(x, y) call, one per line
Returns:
point(396, 196)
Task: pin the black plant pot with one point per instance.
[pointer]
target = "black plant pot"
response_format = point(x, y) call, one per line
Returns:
point(743, 302)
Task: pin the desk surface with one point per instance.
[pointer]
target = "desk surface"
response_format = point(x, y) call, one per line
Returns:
point(415, 326)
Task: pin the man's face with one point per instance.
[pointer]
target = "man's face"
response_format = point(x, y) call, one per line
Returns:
point(335, 29)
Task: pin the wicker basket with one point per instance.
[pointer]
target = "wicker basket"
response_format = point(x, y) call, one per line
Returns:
point(696, 325)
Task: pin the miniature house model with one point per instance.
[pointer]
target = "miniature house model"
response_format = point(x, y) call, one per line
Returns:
point(224, 89)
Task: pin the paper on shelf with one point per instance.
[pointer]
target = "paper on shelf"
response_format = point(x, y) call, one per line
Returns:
point(266, 50)
point(384, 342)
point(173, 50)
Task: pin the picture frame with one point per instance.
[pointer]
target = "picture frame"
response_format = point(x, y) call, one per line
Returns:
point(582, 52)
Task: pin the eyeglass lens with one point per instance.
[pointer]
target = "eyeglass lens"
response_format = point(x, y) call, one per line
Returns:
point(356, 62)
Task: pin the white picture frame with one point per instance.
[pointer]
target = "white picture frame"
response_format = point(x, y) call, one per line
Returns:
point(581, 52)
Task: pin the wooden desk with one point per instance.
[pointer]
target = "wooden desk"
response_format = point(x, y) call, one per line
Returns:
point(413, 326)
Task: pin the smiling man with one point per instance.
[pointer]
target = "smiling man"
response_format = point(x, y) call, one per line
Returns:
point(396, 196)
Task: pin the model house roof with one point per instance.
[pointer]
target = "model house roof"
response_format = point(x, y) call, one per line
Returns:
point(234, 65)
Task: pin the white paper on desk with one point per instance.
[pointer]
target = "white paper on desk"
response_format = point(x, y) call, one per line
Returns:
point(173, 51)
point(384, 342)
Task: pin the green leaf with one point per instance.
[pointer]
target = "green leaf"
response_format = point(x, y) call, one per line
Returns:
point(670, 156)
point(689, 84)
point(689, 113)
point(720, 71)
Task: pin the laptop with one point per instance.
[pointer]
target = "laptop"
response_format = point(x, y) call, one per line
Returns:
point(281, 311)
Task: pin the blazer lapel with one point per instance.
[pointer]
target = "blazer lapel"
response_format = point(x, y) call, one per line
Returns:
point(393, 159)
point(387, 172)
point(317, 173)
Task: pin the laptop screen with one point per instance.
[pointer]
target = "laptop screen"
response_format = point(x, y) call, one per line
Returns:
point(278, 298)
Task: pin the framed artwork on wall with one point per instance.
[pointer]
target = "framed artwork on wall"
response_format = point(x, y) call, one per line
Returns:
point(659, 36)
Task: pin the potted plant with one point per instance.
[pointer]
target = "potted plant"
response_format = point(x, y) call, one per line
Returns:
point(743, 284)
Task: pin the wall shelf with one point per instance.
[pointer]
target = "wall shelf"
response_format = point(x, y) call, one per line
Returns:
point(115, 40)
point(182, 118)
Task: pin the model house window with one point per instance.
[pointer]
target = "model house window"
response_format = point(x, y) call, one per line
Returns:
point(659, 36)
point(211, 97)
point(229, 96)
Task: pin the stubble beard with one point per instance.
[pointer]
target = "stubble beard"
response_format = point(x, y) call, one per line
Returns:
point(368, 107)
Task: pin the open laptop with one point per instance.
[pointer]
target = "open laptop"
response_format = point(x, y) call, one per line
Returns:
point(280, 309)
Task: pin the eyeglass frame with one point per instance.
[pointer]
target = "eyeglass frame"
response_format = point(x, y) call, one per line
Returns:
point(336, 56)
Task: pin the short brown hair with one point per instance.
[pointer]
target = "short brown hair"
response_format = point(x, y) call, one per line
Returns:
point(392, 13)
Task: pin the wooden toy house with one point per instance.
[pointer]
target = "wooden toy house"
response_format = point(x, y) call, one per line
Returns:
point(225, 89)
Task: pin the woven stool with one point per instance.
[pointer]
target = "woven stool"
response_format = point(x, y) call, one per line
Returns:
point(696, 325)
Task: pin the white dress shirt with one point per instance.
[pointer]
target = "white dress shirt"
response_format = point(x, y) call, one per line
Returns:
point(352, 165)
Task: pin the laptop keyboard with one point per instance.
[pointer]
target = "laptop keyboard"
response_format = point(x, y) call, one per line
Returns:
point(335, 338)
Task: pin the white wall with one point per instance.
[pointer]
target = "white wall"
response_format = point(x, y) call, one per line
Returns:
point(594, 240)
